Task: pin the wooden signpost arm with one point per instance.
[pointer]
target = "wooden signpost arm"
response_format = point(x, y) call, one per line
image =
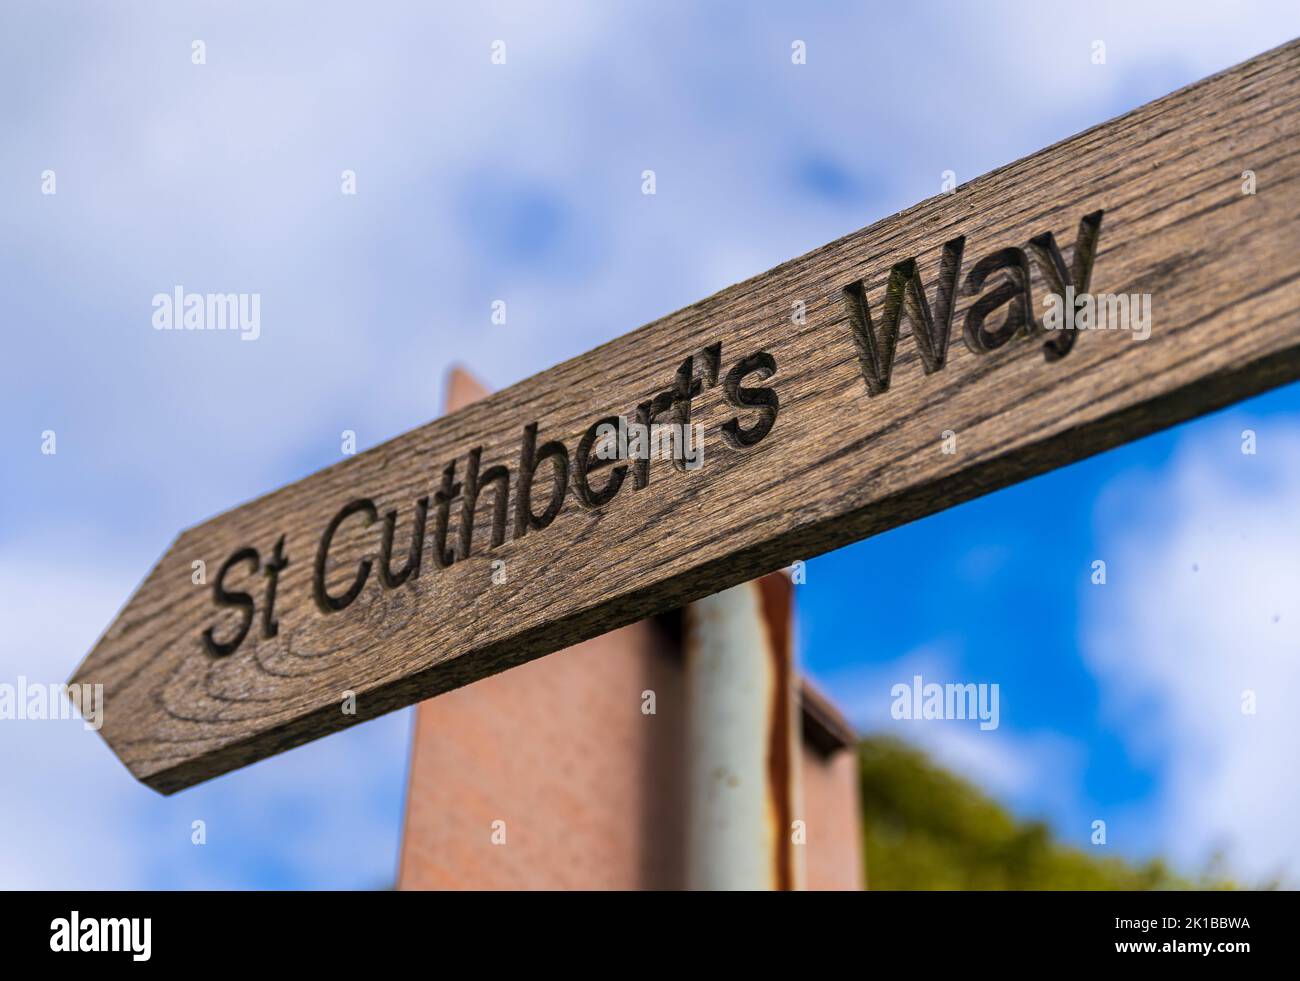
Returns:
point(905, 368)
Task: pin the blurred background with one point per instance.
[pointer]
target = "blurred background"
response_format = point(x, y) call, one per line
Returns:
point(522, 182)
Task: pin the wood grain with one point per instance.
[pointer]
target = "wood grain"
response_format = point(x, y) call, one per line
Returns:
point(838, 464)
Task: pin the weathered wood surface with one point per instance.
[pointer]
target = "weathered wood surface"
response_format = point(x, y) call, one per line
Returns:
point(838, 464)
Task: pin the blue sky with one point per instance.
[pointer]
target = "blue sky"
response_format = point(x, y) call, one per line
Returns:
point(522, 182)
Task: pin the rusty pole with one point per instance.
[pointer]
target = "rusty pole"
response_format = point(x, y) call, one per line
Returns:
point(742, 739)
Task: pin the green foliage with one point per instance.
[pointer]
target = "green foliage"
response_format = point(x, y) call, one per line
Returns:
point(928, 829)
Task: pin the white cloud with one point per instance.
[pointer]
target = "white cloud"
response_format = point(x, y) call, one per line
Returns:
point(1200, 605)
point(323, 816)
point(1038, 772)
